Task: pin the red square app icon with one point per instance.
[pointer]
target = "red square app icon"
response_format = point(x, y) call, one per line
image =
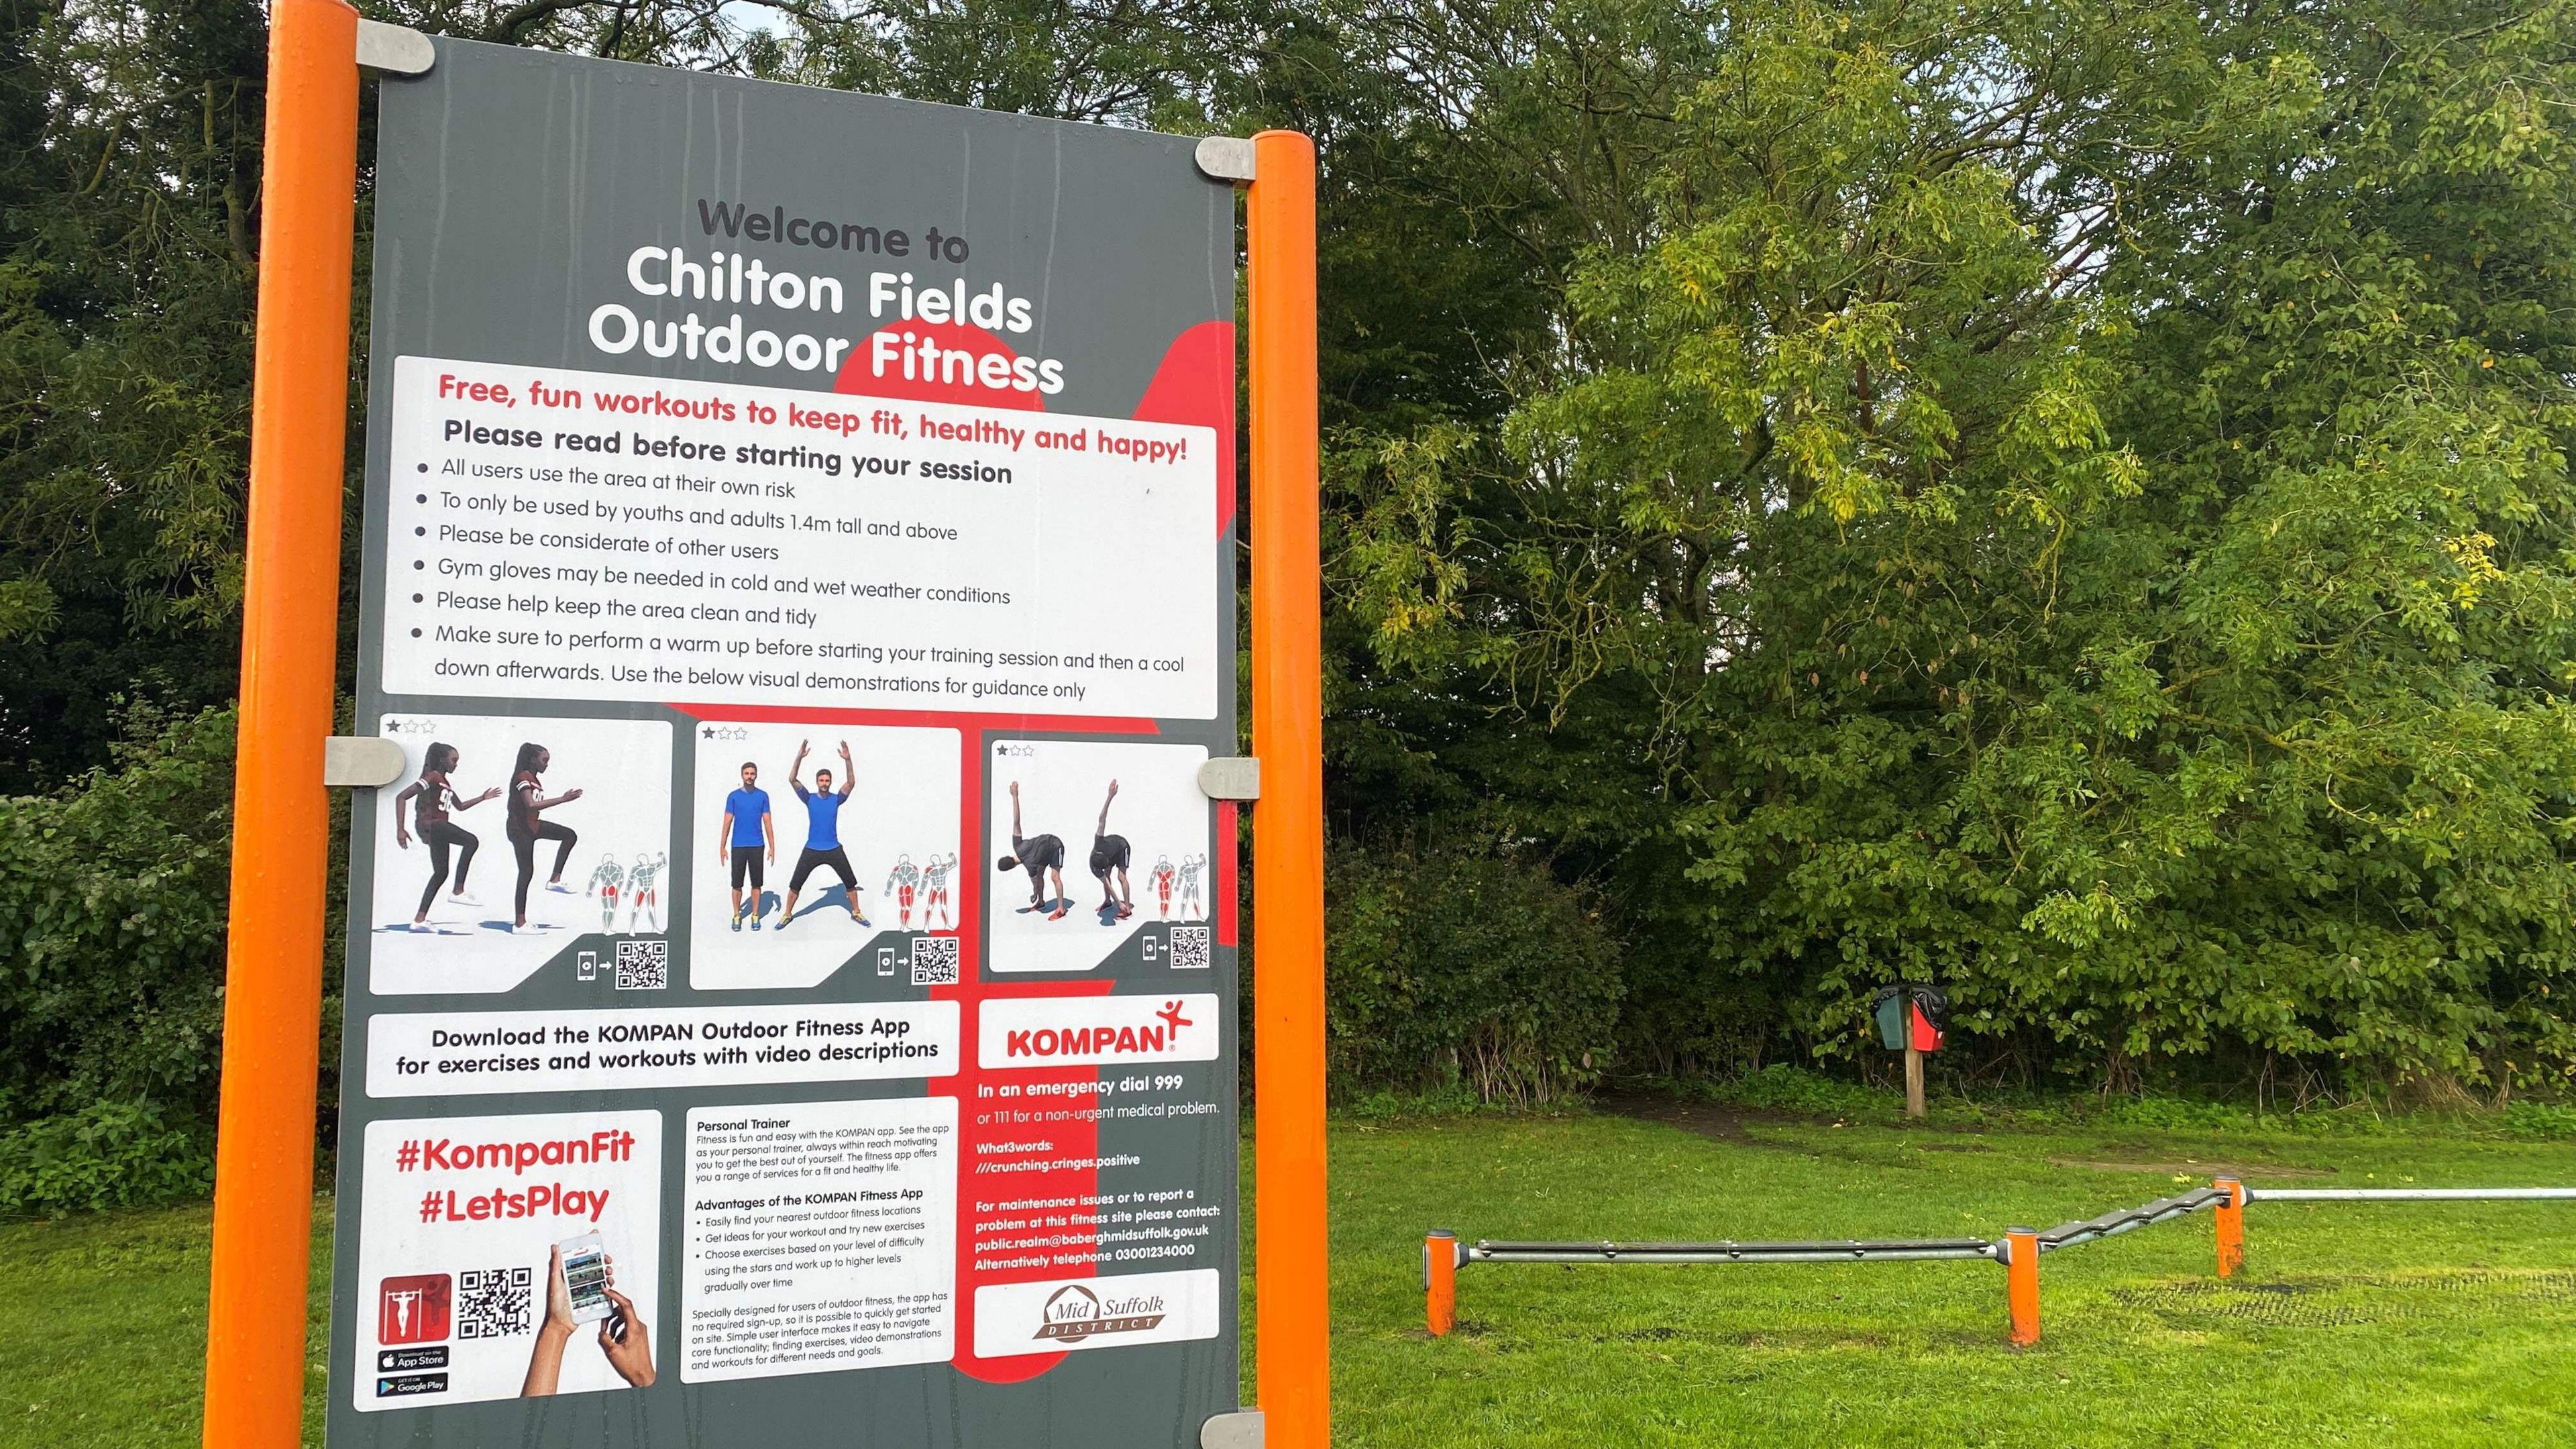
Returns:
point(413, 1310)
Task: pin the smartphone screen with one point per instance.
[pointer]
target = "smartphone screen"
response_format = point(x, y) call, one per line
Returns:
point(585, 1270)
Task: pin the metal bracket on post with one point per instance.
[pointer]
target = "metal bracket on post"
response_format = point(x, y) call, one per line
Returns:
point(1231, 777)
point(1239, 1430)
point(1227, 158)
point(394, 49)
point(360, 762)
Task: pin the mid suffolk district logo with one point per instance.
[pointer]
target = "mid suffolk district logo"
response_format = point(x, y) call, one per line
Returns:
point(1074, 1313)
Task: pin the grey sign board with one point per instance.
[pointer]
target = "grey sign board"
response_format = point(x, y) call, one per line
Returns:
point(791, 990)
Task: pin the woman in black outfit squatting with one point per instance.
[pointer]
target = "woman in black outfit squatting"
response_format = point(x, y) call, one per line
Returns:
point(435, 793)
point(526, 829)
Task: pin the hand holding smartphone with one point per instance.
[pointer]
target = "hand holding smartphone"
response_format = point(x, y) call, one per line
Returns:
point(585, 1276)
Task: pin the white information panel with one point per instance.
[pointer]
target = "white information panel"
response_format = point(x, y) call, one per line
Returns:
point(600, 536)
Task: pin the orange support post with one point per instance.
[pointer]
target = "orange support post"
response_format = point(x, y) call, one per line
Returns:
point(1440, 1281)
point(1292, 1299)
point(2021, 1284)
point(291, 592)
point(2231, 1227)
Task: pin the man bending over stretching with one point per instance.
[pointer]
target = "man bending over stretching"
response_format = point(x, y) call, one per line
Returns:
point(1109, 853)
point(1041, 856)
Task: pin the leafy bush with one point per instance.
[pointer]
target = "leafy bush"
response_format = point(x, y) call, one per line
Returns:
point(1456, 965)
point(112, 911)
point(107, 1154)
point(2539, 1121)
point(1797, 1089)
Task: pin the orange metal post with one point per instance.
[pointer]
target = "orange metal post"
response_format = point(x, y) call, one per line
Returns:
point(2021, 1284)
point(2231, 1227)
point(291, 591)
point(1292, 1292)
point(1440, 1280)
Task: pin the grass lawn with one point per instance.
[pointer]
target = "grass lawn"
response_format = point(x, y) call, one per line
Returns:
point(2419, 1324)
point(2422, 1324)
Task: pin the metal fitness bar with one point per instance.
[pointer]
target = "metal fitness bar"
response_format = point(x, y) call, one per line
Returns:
point(2129, 1220)
point(2018, 1251)
point(1899, 1250)
point(2411, 1194)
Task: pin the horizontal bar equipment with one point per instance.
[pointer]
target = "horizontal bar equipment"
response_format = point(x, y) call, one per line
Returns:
point(2129, 1220)
point(1899, 1250)
point(2410, 1194)
point(2018, 1250)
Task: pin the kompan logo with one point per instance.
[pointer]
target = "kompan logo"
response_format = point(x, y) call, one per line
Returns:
point(1074, 1313)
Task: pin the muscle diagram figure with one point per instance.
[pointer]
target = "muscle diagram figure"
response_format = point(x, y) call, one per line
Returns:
point(433, 798)
point(1042, 856)
point(901, 883)
point(643, 891)
point(823, 831)
point(606, 879)
point(1109, 855)
point(1191, 865)
point(934, 894)
point(1161, 877)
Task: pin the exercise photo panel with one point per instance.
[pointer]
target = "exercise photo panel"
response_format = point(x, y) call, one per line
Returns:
point(799, 863)
point(506, 838)
point(1080, 833)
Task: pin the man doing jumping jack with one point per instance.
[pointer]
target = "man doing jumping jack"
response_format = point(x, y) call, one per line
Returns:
point(823, 831)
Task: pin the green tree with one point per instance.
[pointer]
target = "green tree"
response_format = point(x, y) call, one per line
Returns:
point(2066, 501)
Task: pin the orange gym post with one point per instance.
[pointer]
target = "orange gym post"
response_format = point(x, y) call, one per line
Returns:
point(2021, 1284)
point(2229, 1220)
point(1292, 1294)
point(263, 1239)
point(1440, 1280)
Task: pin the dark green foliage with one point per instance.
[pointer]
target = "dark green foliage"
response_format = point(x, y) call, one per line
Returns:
point(1453, 964)
point(112, 898)
point(2069, 503)
point(128, 190)
point(105, 1155)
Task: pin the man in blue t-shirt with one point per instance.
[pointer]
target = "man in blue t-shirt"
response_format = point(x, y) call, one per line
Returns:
point(823, 830)
point(751, 841)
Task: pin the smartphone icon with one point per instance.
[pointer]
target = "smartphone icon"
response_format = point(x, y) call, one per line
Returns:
point(585, 1273)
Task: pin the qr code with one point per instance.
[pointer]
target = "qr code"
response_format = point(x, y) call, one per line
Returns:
point(643, 965)
point(934, 960)
point(493, 1302)
point(1189, 948)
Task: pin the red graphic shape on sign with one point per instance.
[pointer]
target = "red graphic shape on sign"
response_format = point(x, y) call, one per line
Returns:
point(1194, 384)
point(413, 1309)
point(1226, 848)
point(956, 372)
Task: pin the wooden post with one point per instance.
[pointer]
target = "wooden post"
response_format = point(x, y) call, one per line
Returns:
point(263, 1231)
point(1913, 1078)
